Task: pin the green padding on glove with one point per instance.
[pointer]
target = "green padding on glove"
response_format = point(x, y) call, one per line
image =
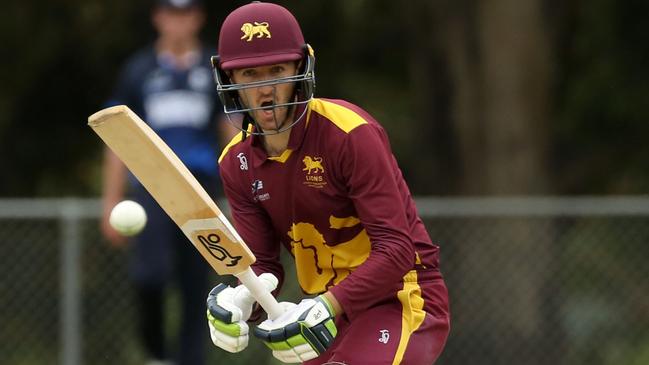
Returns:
point(302, 333)
point(231, 329)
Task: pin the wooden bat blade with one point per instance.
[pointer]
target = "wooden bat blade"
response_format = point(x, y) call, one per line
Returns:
point(180, 195)
point(171, 184)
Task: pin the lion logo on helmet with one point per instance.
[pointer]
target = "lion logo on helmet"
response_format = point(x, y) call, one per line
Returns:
point(258, 29)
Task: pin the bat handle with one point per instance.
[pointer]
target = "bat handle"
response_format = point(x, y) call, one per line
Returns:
point(260, 293)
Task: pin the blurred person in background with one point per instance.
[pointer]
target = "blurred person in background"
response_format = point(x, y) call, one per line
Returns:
point(170, 85)
point(318, 177)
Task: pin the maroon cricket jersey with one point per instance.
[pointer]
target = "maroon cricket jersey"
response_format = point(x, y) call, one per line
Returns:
point(336, 200)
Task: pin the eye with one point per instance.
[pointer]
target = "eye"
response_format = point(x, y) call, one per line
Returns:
point(248, 72)
point(277, 70)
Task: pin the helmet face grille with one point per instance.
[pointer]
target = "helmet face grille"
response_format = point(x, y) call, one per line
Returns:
point(304, 90)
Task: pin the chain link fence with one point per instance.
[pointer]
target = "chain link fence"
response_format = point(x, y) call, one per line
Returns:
point(532, 281)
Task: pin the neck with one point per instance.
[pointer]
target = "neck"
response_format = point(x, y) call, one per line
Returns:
point(276, 144)
point(178, 49)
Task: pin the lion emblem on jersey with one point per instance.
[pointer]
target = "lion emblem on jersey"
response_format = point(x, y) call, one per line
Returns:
point(312, 164)
point(258, 29)
point(321, 264)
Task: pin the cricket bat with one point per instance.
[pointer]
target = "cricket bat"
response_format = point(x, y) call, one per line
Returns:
point(178, 192)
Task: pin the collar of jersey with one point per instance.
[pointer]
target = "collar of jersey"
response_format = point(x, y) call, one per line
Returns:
point(298, 132)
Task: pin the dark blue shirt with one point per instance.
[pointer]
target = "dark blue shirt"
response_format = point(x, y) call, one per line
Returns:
point(180, 105)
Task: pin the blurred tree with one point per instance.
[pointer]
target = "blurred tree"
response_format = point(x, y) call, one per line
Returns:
point(497, 56)
point(563, 105)
point(602, 93)
point(64, 57)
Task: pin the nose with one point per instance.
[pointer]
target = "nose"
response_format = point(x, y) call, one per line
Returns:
point(266, 90)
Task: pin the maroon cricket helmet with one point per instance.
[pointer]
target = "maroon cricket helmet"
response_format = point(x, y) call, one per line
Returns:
point(259, 34)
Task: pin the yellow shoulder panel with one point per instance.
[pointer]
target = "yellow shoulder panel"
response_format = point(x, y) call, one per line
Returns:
point(236, 139)
point(343, 117)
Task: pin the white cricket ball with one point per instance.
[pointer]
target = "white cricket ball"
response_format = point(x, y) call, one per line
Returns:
point(128, 218)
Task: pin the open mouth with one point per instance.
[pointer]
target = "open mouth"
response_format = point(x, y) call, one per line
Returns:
point(267, 105)
point(268, 109)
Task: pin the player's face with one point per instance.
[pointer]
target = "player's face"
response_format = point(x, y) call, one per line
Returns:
point(271, 118)
point(178, 25)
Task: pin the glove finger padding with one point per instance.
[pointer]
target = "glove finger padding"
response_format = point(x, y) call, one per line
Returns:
point(302, 333)
point(232, 337)
point(228, 309)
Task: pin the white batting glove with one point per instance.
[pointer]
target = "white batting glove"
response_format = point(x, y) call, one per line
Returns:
point(228, 309)
point(302, 333)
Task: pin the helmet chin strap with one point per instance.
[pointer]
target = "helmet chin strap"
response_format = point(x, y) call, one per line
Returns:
point(289, 111)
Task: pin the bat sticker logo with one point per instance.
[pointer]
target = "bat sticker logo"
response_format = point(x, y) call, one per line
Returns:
point(211, 243)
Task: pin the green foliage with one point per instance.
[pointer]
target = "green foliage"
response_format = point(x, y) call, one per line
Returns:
point(604, 290)
point(602, 99)
point(64, 56)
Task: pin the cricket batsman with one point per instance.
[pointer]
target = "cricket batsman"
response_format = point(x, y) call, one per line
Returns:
point(317, 176)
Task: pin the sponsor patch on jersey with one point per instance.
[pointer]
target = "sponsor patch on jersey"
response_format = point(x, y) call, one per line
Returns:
point(257, 195)
point(261, 197)
point(256, 186)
